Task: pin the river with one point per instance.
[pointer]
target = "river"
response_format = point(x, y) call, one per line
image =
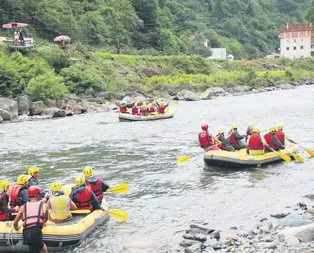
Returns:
point(164, 199)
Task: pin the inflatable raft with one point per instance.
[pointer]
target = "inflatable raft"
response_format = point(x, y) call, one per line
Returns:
point(169, 113)
point(240, 159)
point(56, 236)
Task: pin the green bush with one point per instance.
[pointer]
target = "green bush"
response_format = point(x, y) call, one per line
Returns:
point(46, 86)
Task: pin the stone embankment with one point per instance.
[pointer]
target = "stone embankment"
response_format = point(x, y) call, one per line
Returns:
point(21, 108)
point(291, 231)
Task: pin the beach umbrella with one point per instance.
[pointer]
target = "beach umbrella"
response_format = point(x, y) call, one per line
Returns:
point(62, 38)
point(14, 25)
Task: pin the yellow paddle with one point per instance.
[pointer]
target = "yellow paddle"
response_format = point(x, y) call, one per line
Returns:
point(114, 213)
point(175, 102)
point(80, 211)
point(310, 152)
point(124, 187)
point(297, 157)
point(183, 159)
point(282, 155)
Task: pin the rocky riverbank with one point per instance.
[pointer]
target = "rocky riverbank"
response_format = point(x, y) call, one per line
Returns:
point(21, 108)
point(291, 231)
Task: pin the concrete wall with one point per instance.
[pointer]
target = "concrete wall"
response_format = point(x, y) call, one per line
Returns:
point(295, 47)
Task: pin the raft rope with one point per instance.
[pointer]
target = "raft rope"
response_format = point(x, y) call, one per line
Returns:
point(10, 237)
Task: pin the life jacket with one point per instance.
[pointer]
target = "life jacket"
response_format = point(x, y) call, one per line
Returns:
point(15, 198)
point(152, 108)
point(123, 109)
point(33, 214)
point(4, 211)
point(134, 110)
point(255, 142)
point(270, 141)
point(96, 188)
point(60, 207)
point(161, 108)
point(281, 136)
point(232, 139)
point(205, 140)
point(83, 199)
point(144, 110)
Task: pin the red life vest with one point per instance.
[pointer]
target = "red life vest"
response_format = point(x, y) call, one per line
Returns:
point(205, 140)
point(161, 108)
point(270, 141)
point(84, 199)
point(4, 199)
point(143, 110)
point(232, 139)
point(281, 136)
point(15, 199)
point(96, 188)
point(123, 109)
point(134, 110)
point(255, 142)
point(152, 108)
point(33, 214)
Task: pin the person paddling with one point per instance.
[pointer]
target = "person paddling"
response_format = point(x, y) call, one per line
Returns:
point(33, 176)
point(235, 138)
point(256, 143)
point(272, 140)
point(5, 211)
point(206, 140)
point(225, 145)
point(282, 136)
point(19, 195)
point(34, 214)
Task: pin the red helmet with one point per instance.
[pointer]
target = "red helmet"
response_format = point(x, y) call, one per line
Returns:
point(204, 127)
point(33, 191)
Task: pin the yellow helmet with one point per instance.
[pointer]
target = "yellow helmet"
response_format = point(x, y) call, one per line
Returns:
point(154, 102)
point(88, 171)
point(32, 170)
point(280, 126)
point(79, 180)
point(4, 184)
point(272, 129)
point(234, 126)
point(250, 125)
point(144, 103)
point(221, 131)
point(256, 130)
point(22, 179)
point(135, 104)
point(55, 187)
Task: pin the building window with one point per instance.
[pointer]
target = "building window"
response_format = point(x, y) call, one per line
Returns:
point(294, 48)
point(287, 48)
point(301, 47)
point(294, 40)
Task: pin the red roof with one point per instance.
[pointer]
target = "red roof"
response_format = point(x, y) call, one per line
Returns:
point(296, 28)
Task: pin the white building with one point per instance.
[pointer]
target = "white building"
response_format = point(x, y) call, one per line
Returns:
point(218, 53)
point(295, 41)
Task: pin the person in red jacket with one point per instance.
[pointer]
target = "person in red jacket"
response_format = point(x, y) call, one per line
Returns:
point(153, 107)
point(282, 136)
point(235, 138)
point(5, 211)
point(162, 106)
point(135, 110)
point(207, 141)
point(272, 140)
point(97, 185)
point(18, 195)
point(256, 143)
point(123, 108)
point(83, 196)
point(144, 109)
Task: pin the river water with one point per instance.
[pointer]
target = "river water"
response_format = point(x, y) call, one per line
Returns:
point(165, 199)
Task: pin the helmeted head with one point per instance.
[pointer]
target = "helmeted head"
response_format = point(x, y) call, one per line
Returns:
point(144, 103)
point(33, 191)
point(250, 125)
point(154, 103)
point(135, 103)
point(32, 171)
point(56, 186)
point(88, 171)
point(256, 130)
point(280, 127)
point(272, 129)
point(79, 180)
point(22, 180)
point(234, 127)
point(204, 126)
point(4, 185)
point(221, 131)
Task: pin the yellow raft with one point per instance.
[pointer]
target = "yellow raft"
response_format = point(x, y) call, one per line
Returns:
point(240, 159)
point(56, 236)
point(169, 113)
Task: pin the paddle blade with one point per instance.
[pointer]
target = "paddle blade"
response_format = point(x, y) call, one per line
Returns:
point(119, 188)
point(284, 157)
point(183, 159)
point(118, 214)
point(310, 152)
point(80, 211)
point(176, 102)
point(298, 158)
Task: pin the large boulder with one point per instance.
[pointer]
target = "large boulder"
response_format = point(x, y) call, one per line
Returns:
point(37, 108)
point(8, 109)
point(187, 96)
point(23, 105)
point(59, 114)
point(60, 103)
point(206, 95)
point(218, 91)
